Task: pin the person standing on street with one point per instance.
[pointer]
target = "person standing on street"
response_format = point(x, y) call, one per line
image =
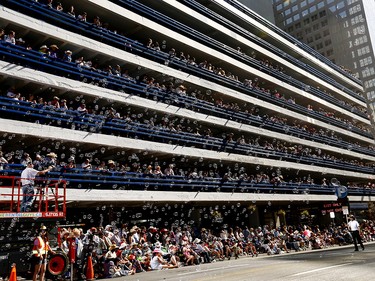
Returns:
point(354, 229)
point(27, 180)
point(40, 250)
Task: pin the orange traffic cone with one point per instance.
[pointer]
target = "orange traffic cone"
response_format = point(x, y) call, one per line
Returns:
point(89, 269)
point(13, 273)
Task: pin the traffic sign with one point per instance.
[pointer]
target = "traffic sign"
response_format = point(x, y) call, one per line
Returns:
point(341, 191)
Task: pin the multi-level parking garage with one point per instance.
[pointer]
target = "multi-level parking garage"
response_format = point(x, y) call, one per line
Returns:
point(251, 121)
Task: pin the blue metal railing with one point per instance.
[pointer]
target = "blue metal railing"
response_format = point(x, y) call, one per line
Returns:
point(120, 180)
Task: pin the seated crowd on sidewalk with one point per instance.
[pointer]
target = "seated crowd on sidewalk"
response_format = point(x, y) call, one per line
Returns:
point(121, 251)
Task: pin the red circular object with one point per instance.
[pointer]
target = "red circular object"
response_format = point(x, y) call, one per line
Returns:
point(58, 264)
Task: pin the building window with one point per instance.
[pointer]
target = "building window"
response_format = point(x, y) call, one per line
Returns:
point(370, 83)
point(322, 13)
point(371, 95)
point(325, 32)
point(324, 23)
point(365, 61)
point(303, 3)
point(352, 1)
point(316, 26)
point(343, 14)
point(362, 29)
point(329, 52)
point(314, 17)
point(360, 40)
point(308, 30)
point(332, 8)
point(279, 7)
point(312, 9)
point(306, 21)
point(359, 30)
point(340, 5)
point(296, 17)
point(355, 9)
point(294, 8)
point(318, 36)
point(319, 46)
point(290, 29)
point(328, 42)
point(368, 72)
point(357, 19)
point(288, 21)
point(320, 4)
point(310, 40)
point(298, 25)
point(305, 12)
point(363, 51)
point(287, 12)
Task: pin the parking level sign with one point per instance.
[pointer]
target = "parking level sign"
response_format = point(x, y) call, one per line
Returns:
point(345, 210)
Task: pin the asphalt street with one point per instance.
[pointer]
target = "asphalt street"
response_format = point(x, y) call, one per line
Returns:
point(336, 263)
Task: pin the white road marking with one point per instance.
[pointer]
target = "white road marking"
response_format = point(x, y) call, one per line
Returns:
point(320, 269)
point(212, 269)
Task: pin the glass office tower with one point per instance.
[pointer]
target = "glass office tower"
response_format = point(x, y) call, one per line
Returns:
point(340, 30)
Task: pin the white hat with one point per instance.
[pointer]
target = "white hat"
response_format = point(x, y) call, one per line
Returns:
point(52, 154)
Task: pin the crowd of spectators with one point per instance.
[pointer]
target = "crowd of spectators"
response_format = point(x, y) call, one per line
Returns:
point(91, 165)
point(54, 53)
point(62, 105)
point(181, 125)
point(124, 250)
point(174, 125)
point(151, 44)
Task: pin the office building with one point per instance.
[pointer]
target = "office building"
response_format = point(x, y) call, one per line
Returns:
point(342, 31)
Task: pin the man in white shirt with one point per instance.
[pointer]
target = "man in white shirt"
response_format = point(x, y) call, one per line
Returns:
point(27, 180)
point(354, 228)
point(86, 165)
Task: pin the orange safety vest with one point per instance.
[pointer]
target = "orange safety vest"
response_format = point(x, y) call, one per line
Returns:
point(40, 247)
